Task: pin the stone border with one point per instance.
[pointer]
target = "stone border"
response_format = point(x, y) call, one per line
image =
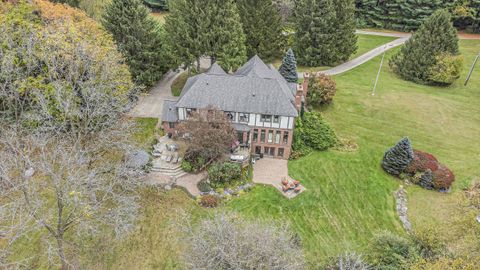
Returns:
point(401, 202)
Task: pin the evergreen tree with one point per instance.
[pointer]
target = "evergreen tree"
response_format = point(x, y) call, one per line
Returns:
point(436, 36)
point(397, 158)
point(346, 40)
point(262, 26)
point(185, 32)
point(223, 33)
point(315, 32)
point(139, 37)
point(288, 69)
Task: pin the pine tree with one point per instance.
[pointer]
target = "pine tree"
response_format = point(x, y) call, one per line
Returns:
point(262, 26)
point(397, 158)
point(436, 36)
point(223, 33)
point(288, 69)
point(346, 40)
point(315, 32)
point(139, 37)
point(185, 32)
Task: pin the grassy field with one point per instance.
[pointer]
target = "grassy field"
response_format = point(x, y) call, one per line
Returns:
point(179, 83)
point(349, 197)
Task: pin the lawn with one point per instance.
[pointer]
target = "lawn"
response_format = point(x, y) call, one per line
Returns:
point(349, 197)
point(179, 83)
point(365, 44)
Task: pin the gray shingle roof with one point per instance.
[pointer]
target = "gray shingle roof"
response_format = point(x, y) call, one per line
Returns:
point(254, 88)
point(216, 69)
point(169, 112)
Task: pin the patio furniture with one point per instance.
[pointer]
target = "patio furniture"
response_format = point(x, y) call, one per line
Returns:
point(169, 158)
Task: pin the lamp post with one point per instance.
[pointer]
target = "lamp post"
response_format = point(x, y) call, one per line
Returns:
point(379, 71)
point(471, 69)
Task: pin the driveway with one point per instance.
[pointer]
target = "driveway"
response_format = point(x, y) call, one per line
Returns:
point(151, 104)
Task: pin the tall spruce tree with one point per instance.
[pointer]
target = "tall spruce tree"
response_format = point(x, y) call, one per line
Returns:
point(288, 69)
point(315, 32)
point(223, 33)
point(436, 36)
point(185, 27)
point(262, 25)
point(397, 158)
point(139, 37)
point(346, 40)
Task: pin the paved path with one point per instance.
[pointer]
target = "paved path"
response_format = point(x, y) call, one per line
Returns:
point(365, 57)
point(190, 181)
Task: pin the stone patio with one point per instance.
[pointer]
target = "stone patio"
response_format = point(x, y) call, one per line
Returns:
point(269, 171)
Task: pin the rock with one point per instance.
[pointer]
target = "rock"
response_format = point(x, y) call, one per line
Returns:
point(168, 187)
point(137, 160)
point(30, 172)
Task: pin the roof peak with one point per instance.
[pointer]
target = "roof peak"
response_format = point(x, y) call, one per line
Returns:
point(216, 69)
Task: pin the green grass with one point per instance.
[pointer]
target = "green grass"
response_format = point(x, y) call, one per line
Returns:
point(156, 241)
point(145, 132)
point(349, 197)
point(179, 83)
point(365, 43)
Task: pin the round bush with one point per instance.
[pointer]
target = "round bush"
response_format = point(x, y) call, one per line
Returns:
point(209, 201)
point(443, 177)
point(203, 186)
point(224, 174)
point(321, 90)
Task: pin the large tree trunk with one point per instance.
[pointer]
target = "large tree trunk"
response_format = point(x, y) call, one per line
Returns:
point(61, 254)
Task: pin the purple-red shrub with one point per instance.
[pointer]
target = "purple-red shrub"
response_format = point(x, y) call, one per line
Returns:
point(431, 173)
point(443, 177)
point(422, 162)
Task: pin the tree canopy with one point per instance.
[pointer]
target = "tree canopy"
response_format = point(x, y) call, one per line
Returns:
point(140, 38)
point(59, 70)
point(436, 37)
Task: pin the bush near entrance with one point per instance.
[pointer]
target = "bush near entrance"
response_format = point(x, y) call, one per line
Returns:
point(321, 90)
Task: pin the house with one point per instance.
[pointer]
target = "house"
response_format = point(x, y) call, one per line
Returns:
point(261, 104)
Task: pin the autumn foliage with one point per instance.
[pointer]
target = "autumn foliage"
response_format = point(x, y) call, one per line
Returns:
point(428, 172)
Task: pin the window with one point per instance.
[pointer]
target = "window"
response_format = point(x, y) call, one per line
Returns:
point(285, 137)
point(243, 117)
point(262, 136)
point(278, 136)
point(171, 124)
point(276, 119)
point(266, 118)
point(255, 135)
point(190, 112)
point(230, 116)
point(270, 136)
point(280, 152)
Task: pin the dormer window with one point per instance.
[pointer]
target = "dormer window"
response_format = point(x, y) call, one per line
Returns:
point(243, 117)
point(276, 119)
point(266, 118)
point(230, 116)
point(190, 112)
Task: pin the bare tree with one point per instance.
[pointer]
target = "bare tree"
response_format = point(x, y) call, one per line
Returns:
point(226, 241)
point(64, 189)
point(348, 261)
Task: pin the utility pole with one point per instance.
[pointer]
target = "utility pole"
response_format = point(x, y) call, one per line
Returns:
point(379, 71)
point(471, 69)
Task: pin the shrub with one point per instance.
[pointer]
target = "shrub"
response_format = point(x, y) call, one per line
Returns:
point(203, 186)
point(428, 244)
point(186, 166)
point(391, 252)
point(397, 158)
point(321, 90)
point(227, 241)
point(196, 158)
point(209, 201)
point(422, 162)
point(314, 132)
point(446, 70)
point(427, 172)
point(443, 264)
point(443, 177)
point(224, 174)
